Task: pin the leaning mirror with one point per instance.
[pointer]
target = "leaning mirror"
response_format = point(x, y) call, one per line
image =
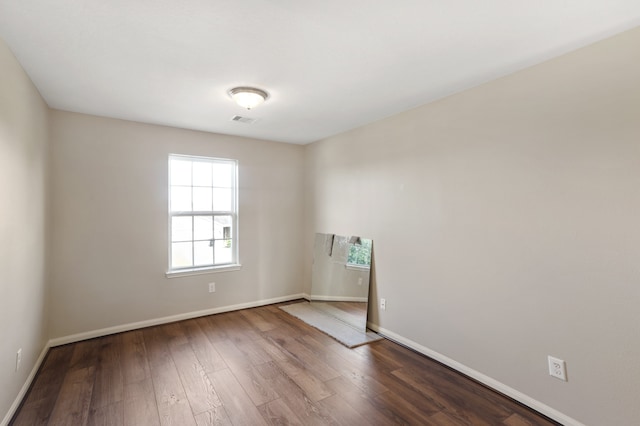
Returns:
point(340, 277)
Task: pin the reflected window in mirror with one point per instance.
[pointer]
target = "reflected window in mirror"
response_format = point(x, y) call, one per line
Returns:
point(360, 253)
point(340, 276)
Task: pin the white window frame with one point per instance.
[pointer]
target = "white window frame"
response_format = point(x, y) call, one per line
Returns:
point(194, 270)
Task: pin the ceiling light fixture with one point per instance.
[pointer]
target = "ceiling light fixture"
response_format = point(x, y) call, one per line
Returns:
point(248, 97)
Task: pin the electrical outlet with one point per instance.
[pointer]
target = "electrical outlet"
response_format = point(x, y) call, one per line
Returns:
point(18, 358)
point(212, 287)
point(557, 368)
point(360, 281)
point(383, 304)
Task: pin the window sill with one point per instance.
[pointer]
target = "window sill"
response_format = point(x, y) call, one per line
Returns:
point(201, 271)
point(357, 267)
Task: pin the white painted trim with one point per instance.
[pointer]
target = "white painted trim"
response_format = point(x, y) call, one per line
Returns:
point(476, 375)
point(354, 267)
point(202, 271)
point(164, 320)
point(336, 298)
point(25, 387)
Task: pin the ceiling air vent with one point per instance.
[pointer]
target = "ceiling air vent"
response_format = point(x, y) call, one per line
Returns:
point(245, 120)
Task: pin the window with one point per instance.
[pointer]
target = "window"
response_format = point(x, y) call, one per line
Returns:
point(203, 213)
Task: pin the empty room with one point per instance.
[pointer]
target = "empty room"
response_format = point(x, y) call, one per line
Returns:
point(328, 213)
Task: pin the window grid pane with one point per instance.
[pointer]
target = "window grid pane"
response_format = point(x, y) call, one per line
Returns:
point(222, 252)
point(202, 253)
point(181, 228)
point(223, 175)
point(202, 175)
point(203, 227)
point(182, 255)
point(202, 194)
point(180, 172)
point(202, 199)
point(181, 198)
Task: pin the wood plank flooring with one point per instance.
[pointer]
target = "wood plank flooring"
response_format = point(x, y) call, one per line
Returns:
point(254, 367)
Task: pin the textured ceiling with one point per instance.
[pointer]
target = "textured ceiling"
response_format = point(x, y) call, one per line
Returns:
point(329, 66)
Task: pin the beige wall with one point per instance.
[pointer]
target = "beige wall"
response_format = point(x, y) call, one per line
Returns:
point(505, 222)
point(109, 223)
point(23, 169)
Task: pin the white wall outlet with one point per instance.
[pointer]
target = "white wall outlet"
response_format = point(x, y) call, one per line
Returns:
point(383, 304)
point(360, 281)
point(18, 358)
point(212, 287)
point(557, 368)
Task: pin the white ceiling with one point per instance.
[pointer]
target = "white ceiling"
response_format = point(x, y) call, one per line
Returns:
point(329, 65)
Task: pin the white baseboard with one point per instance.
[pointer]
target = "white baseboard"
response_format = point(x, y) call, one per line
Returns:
point(335, 298)
point(164, 320)
point(25, 387)
point(476, 375)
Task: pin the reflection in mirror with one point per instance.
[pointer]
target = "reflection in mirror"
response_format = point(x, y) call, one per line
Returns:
point(340, 278)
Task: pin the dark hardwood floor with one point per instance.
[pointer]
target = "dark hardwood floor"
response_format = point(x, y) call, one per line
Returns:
point(253, 367)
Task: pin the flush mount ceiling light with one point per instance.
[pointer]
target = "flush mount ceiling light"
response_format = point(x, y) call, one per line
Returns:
point(248, 97)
